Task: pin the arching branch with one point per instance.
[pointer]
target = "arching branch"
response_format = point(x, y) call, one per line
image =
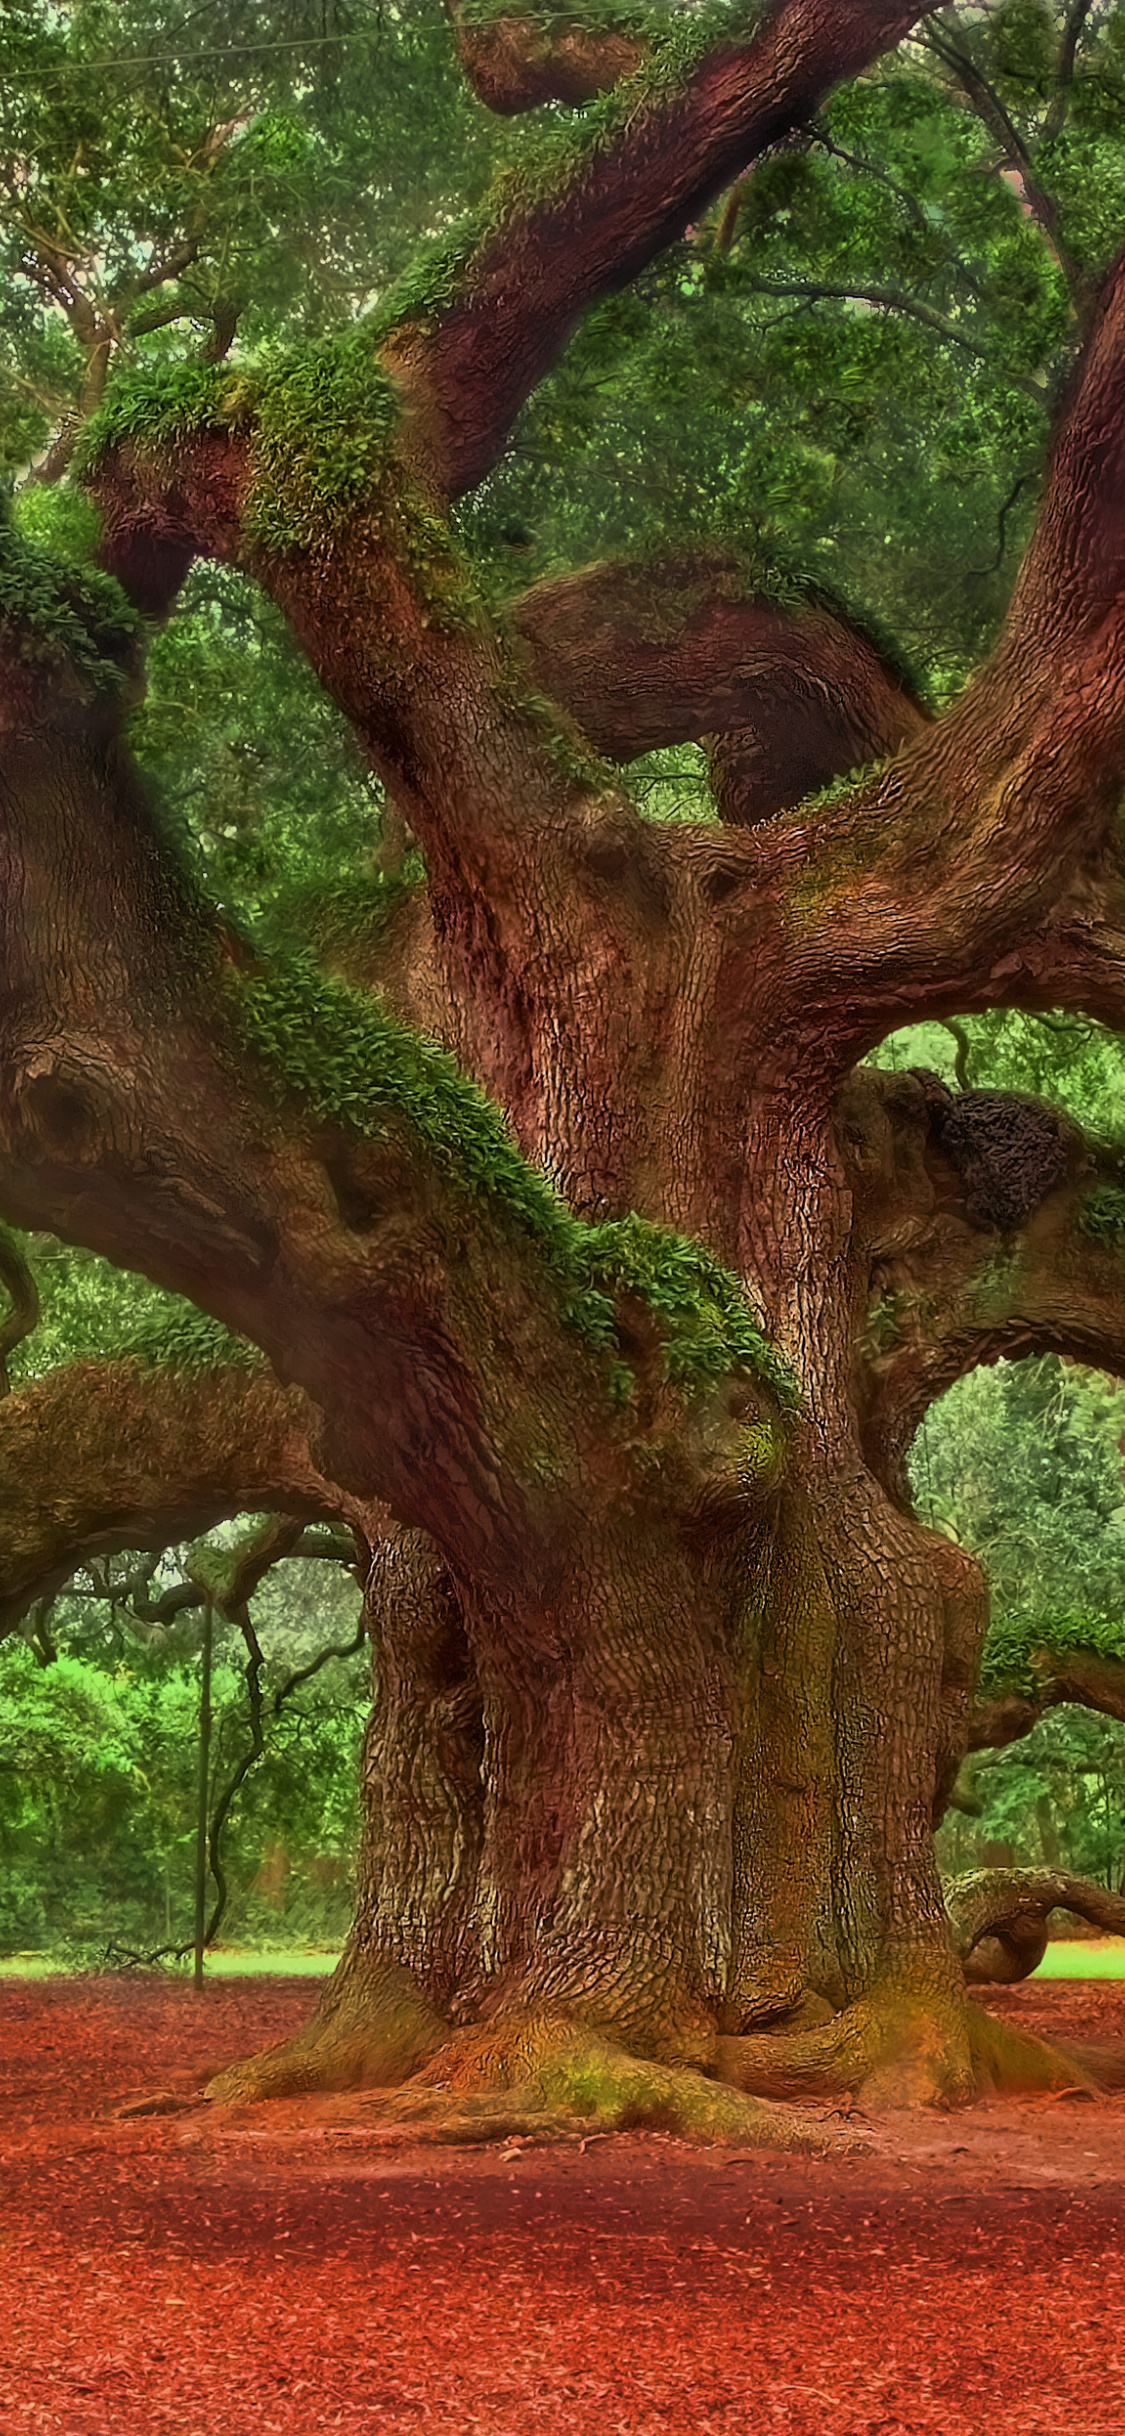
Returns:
point(1084, 1678)
point(521, 57)
point(327, 1186)
point(101, 1456)
point(631, 184)
point(999, 1917)
point(992, 1225)
point(706, 643)
point(977, 868)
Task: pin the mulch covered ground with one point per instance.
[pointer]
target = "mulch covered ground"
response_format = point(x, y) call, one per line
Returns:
point(265, 2271)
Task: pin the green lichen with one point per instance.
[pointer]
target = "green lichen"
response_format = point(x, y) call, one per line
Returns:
point(355, 1065)
point(53, 612)
point(760, 1452)
point(1102, 1215)
point(321, 425)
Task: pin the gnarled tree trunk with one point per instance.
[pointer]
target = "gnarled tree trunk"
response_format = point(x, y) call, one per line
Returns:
point(671, 1684)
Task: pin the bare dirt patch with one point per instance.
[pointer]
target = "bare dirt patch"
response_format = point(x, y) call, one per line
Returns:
point(288, 2271)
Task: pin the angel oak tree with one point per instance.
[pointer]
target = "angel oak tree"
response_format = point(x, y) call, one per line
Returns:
point(671, 1683)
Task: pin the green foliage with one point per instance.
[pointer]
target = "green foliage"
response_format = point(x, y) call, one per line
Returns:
point(50, 612)
point(98, 1780)
point(1024, 1463)
point(227, 694)
point(324, 421)
point(549, 155)
point(262, 165)
point(1103, 1214)
point(709, 1324)
point(182, 1338)
point(1064, 1058)
point(156, 411)
point(89, 1309)
point(60, 519)
point(1056, 1800)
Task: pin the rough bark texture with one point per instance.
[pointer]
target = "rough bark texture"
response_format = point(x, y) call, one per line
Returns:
point(672, 1685)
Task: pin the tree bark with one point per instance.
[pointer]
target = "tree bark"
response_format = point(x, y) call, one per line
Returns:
point(672, 1684)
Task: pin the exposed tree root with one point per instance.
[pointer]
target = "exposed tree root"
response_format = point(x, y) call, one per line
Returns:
point(372, 2027)
point(889, 2056)
point(541, 2077)
point(999, 1917)
point(551, 2078)
point(884, 2051)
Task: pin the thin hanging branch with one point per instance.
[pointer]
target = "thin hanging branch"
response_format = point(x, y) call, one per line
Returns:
point(239, 1614)
point(19, 1284)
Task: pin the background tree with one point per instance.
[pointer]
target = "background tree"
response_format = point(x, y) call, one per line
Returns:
point(709, 1845)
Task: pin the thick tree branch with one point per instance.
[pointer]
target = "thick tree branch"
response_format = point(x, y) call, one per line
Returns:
point(521, 58)
point(937, 885)
point(665, 650)
point(100, 1456)
point(992, 1226)
point(625, 192)
point(192, 1116)
point(1086, 1678)
point(999, 1917)
point(19, 1284)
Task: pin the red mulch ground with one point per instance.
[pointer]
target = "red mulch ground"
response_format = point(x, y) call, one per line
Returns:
point(264, 2274)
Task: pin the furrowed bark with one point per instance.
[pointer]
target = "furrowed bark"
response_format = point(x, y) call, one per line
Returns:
point(959, 876)
point(937, 884)
point(415, 1309)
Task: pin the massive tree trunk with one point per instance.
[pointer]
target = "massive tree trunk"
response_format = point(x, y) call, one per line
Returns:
point(671, 1685)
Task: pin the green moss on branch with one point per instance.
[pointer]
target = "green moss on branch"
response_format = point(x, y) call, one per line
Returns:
point(550, 156)
point(50, 612)
point(352, 1064)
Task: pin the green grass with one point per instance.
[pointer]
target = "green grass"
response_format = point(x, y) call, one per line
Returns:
point(1066, 1960)
point(1075, 1959)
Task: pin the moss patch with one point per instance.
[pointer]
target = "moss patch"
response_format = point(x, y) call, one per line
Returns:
point(549, 156)
point(1016, 1655)
point(156, 411)
point(355, 1065)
